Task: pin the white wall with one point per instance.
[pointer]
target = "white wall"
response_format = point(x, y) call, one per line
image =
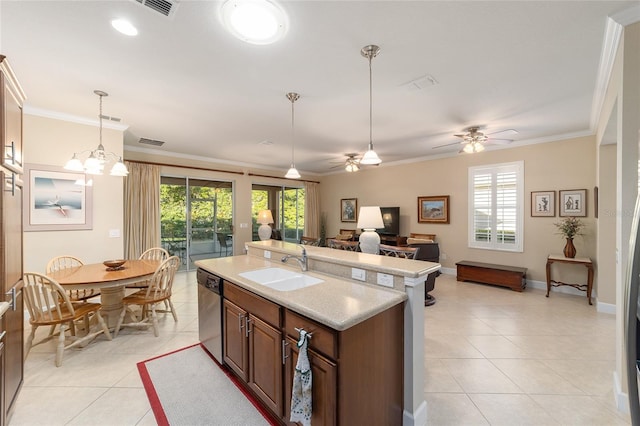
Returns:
point(52, 142)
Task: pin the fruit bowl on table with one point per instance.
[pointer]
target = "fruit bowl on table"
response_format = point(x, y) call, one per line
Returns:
point(114, 265)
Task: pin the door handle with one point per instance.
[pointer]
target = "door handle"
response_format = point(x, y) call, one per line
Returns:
point(12, 294)
point(284, 348)
point(240, 324)
point(247, 329)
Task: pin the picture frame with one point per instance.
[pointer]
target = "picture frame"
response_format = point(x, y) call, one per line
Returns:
point(349, 210)
point(573, 202)
point(56, 199)
point(543, 203)
point(433, 209)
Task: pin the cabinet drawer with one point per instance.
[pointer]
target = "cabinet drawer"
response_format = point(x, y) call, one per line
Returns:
point(323, 340)
point(262, 308)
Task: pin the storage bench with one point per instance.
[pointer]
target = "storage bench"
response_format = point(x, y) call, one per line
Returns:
point(513, 277)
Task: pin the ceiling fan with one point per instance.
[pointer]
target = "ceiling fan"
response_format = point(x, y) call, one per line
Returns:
point(351, 164)
point(473, 140)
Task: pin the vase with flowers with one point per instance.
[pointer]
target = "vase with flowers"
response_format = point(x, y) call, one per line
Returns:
point(569, 227)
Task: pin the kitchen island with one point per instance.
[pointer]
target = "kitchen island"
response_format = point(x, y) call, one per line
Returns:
point(343, 305)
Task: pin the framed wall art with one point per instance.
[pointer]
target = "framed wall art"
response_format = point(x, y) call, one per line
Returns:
point(349, 210)
point(433, 209)
point(543, 203)
point(56, 199)
point(573, 202)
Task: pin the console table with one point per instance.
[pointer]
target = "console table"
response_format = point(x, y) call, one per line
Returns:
point(393, 240)
point(560, 259)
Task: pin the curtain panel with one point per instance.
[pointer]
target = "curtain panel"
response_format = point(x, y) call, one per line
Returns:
point(311, 210)
point(141, 209)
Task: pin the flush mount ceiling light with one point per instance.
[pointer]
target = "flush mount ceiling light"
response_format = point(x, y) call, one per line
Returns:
point(292, 173)
point(254, 21)
point(370, 157)
point(94, 164)
point(125, 27)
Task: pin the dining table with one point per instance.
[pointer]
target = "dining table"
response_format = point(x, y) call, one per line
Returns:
point(110, 281)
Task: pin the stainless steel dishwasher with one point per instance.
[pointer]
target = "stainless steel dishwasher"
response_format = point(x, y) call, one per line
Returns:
point(210, 312)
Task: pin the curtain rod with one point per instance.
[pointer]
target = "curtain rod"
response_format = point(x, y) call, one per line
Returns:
point(214, 170)
point(185, 167)
point(280, 177)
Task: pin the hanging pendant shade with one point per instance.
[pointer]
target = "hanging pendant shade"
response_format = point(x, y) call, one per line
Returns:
point(370, 157)
point(292, 173)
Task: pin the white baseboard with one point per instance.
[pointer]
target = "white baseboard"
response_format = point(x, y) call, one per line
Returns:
point(622, 399)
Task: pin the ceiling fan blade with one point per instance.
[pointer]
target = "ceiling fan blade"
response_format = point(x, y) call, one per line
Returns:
point(511, 131)
point(461, 135)
point(499, 141)
point(448, 144)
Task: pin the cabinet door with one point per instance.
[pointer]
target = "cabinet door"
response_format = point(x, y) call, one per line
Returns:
point(11, 231)
point(14, 351)
point(265, 363)
point(235, 346)
point(10, 125)
point(324, 385)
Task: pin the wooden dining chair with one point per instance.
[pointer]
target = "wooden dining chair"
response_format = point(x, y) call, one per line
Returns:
point(159, 291)
point(395, 251)
point(154, 253)
point(64, 262)
point(48, 304)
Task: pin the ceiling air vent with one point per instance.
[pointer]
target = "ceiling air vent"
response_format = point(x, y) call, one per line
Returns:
point(165, 7)
point(151, 142)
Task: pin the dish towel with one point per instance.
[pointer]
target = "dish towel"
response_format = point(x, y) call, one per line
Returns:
point(301, 393)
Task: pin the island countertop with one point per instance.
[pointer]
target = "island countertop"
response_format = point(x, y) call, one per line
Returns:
point(336, 302)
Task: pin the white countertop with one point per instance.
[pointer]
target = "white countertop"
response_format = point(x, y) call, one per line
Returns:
point(336, 302)
point(374, 262)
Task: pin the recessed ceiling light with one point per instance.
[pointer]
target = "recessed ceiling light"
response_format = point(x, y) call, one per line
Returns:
point(124, 26)
point(254, 21)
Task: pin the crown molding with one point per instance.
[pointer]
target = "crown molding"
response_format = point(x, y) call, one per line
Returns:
point(55, 115)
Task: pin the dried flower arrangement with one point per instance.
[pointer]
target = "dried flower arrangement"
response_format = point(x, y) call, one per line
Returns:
point(569, 227)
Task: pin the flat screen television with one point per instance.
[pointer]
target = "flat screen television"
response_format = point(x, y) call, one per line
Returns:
point(391, 220)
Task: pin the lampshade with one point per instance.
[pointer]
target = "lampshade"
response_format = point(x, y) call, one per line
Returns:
point(370, 218)
point(292, 173)
point(265, 217)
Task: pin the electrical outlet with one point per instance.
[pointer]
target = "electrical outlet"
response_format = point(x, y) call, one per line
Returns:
point(267, 254)
point(114, 233)
point(244, 225)
point(358, 274)
point(385, 279)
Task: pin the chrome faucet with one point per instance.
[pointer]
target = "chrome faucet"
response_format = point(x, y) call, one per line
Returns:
point(303, 260)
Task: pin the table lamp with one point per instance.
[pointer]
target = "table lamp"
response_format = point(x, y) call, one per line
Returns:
point(264, 218)
point(370, 219)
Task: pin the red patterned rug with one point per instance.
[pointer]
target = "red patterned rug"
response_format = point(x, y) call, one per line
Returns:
point(188, 387)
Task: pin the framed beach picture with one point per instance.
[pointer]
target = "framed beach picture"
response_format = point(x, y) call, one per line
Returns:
point(349, 210)
point(56, 199)
point(573, 202)
point(543, 203)
point(433, 209)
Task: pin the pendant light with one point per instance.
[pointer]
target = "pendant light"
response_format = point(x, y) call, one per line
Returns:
point(292, 173)
point(94, 164)
point(370, 157)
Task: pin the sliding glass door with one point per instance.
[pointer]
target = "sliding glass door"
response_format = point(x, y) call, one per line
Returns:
point(287, 207)
point(196, 218)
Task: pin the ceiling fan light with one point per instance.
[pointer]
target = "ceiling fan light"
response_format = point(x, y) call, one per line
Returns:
point(352, 167)
point(468, 148)
point(292, 173)
point(478, 147)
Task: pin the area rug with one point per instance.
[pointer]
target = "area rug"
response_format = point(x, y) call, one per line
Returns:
point(188, 387)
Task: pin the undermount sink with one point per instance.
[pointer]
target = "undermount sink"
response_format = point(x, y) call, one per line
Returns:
point(280, 279)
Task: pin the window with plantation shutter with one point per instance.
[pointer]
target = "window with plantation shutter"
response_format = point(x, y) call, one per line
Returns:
point(496, 206)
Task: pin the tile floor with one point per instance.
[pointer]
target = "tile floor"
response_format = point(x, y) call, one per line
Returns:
point(493, 357)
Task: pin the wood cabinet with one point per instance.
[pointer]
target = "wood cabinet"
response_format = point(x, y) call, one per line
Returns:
point(252, 345)
point(11, 253)
point(356, 373)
